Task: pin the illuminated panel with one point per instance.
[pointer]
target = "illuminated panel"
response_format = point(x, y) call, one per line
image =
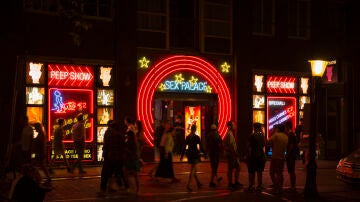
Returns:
point(258, 83)
point(304, 85)
point(281, 84)
point(167, 67)
point(303, 100)
point(35, 114)
point(192, 117)
point(104, 114)
point(100, 133)
point(258, 116)
point(35, 95)
point(105, 97)
point(71, 154)
point(67, 104)
point(105, 75)
point(279, 111)
point(61, 75)
point(35, 73)
point(258, 101)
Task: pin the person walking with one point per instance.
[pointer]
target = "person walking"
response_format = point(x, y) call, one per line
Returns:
point(131, 156)
point(159, 131)
point(232, 157)
point(79, 135)
point(39, 149)
point(27, 134)
point(58, 146)
point(278, 141)
point(291, 156)
point(112, 153)
point(165, 168)
point(139, 132)
point(298, 133)
point(191, 145)
point(214, 149)
point(256, 158)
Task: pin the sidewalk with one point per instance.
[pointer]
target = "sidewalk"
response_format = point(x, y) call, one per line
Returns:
point(75, 187)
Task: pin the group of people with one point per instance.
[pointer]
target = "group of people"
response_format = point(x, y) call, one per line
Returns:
point(284, 151)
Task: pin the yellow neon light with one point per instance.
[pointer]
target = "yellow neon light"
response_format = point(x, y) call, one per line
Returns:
point(193, 80)
point(225, 67)
point(208, 89)
point(162, 87)
point(144, 63)
point(179, 78)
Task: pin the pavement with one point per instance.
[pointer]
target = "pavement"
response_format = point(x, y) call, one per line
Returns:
point(85, 187)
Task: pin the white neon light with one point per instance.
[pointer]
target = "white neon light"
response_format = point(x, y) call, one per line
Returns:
point(35, 72)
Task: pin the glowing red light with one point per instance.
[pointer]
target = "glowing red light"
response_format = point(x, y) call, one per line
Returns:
point(181, 63)
point(70, 75)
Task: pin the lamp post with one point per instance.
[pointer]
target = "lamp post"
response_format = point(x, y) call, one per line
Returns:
point(317, 70)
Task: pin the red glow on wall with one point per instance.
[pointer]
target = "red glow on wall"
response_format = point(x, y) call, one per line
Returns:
point(281, 84)
point(61, 75)
point(167, 67)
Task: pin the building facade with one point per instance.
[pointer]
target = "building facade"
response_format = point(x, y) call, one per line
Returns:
point(178, 61)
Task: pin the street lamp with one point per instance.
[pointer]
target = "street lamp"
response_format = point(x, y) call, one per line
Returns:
point(317, 69)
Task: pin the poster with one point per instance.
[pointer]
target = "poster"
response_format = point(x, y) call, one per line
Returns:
point(192, 117)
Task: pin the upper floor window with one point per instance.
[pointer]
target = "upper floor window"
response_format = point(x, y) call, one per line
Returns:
point(264, 17)
point(92, 8)
point(299, 19)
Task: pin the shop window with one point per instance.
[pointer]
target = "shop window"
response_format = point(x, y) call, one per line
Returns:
point(264, 17)
point(299, 19)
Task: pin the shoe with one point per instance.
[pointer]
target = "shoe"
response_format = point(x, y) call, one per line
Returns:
point(188, 188)
point(175, 180)
point(47, 181)
point(249, 190)
point(51, 171)
point(219, 179)
point(259, 188)
point(238, 185)
point(199, 185)
point(231, 187)
point(69, 170)
point(212, 185)
point(82, 172)
point(291, 190)
point(101, 194)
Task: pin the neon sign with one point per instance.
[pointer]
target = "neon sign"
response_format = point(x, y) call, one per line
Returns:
point(280, 110)
point(67, 104)
point(168, 66)
point(180, 85)
point(70, 75)
point(281, 84)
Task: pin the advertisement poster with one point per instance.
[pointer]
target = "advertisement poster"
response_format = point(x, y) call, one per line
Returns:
point(67, 104)
point(192, 117)
point(279, 111)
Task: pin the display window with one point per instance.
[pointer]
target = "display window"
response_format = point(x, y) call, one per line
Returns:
point(192, 117)
point(63, 91)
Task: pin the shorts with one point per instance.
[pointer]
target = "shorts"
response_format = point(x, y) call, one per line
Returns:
point(256, 164)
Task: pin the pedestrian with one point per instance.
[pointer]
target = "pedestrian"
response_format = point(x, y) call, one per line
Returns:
point(131, 155)
point(58, 146)
point(139, 131)
point(214, 149)
point(79, 135)
point(232, 157)
point(291, 156)
point(159, 131)
point(165, 168)
point(298, 133)
point(190, 147)
point(256, 158)
point(39, 149)
point(27, 134)
point(112, 153)
point(278, 141)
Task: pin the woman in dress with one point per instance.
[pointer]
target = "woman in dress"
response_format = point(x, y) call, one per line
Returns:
point(191, 148)
point(165, 168)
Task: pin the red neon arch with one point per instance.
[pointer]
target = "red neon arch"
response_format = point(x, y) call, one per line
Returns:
point(181, 63)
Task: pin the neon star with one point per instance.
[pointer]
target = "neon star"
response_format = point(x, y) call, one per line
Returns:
point(144, 63)
point(193, 80)
point(179, 78)
point(225, 67)
point(162, 87)
point(208, 89)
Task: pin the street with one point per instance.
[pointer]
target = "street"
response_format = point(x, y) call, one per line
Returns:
point(73, 187)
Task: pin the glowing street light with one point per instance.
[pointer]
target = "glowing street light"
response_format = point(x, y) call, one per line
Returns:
point(317, 69)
